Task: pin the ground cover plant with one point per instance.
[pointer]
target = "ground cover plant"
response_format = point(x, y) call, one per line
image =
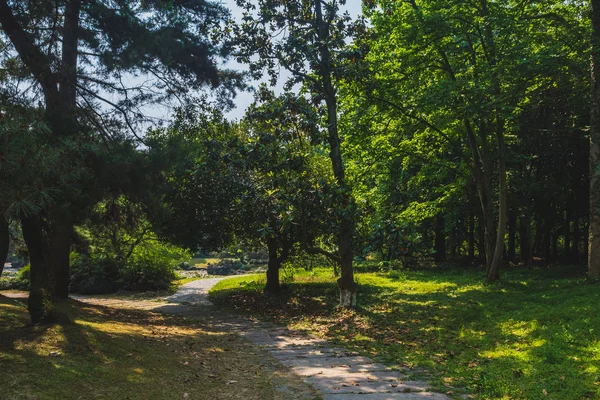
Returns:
point(533, 336)
point(109, 353)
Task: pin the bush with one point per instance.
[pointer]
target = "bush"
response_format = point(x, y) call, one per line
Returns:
point(93, 274)
point(151, 266)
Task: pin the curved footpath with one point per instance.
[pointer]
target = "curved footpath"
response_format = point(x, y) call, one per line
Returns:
point(333, 372)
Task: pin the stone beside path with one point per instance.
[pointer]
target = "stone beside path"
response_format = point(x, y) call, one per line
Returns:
point(334, 372)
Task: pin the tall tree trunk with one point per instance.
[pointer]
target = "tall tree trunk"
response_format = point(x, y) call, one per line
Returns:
point(512, 233)
point(346, 281)
point(4, 241)
point(494, 270)
point(525, 239)
point(481, 239)
point(575, 242)
point(471, 238)
point(594, 230)
point(60, 254)
point(440, 239)
point(567, 232)
point(40, 304)
point(273, 285)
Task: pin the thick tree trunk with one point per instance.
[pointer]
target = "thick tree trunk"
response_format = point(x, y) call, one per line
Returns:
point(346, 228)
point(594, 230)
point(40, 304)
point(273, 285)
point(440, 239)
point(4, 242)
point(60, 255)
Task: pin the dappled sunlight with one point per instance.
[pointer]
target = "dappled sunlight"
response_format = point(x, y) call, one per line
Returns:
point(514, 339)
point(117, 353)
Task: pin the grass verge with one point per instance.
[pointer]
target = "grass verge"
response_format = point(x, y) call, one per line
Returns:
point(108, 353)
point(535, 335)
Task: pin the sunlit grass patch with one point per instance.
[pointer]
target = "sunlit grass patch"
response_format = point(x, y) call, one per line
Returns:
point(534, 335)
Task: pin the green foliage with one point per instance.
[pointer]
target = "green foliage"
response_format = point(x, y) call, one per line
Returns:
point(119, 250)
point(151, 267)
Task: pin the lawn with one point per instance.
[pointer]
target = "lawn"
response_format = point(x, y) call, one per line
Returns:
point(203, 262)
point(106, 353)
point(535, 335)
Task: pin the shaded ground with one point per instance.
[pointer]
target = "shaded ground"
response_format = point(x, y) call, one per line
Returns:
point(121, 353)
point(335, 373)
point(535, 335)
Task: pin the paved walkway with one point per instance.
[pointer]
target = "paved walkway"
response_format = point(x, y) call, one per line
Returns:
point(334, 372)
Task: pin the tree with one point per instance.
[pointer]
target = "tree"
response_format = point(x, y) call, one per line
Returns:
point(594, 239)
point(461, 74)
point(77, 54)
point(308, 39)
point(286, 181)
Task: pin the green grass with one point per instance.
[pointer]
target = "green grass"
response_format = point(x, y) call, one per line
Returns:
point(107, 353)
point(203, 262)
point(535, 335)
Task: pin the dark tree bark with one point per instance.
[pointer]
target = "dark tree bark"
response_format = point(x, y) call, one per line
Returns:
point(60, 253)
point(512, 233)
point(481, 239)
point(440, 239)
point(525, 239)
point(574, 253)
point(471, 234)
point(567, 233)
point(51, 248)
point(274, 266)
point(594, 229)
point(4, 241)
point(42, 283)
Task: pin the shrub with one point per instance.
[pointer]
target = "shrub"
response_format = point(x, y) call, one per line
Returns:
point(152, 267)
point(93, 274)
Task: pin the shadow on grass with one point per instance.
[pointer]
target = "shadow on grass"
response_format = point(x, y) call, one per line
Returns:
point(535, 332)
point(125, 354)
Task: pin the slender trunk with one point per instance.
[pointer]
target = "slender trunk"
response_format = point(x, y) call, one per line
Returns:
point(554, 247)
point(471, 236)
point(440, 239)
point(525, 239)
point(4, 241)
point(575, 243)
point(594, 162)
point(494, 270)
point(346, 281)
point(40, 303)
point(567, 232)
point(512, 233)
point(481, 239)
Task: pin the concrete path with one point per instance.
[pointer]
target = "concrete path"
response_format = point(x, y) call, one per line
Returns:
point(195, 292)
point(334, 372)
